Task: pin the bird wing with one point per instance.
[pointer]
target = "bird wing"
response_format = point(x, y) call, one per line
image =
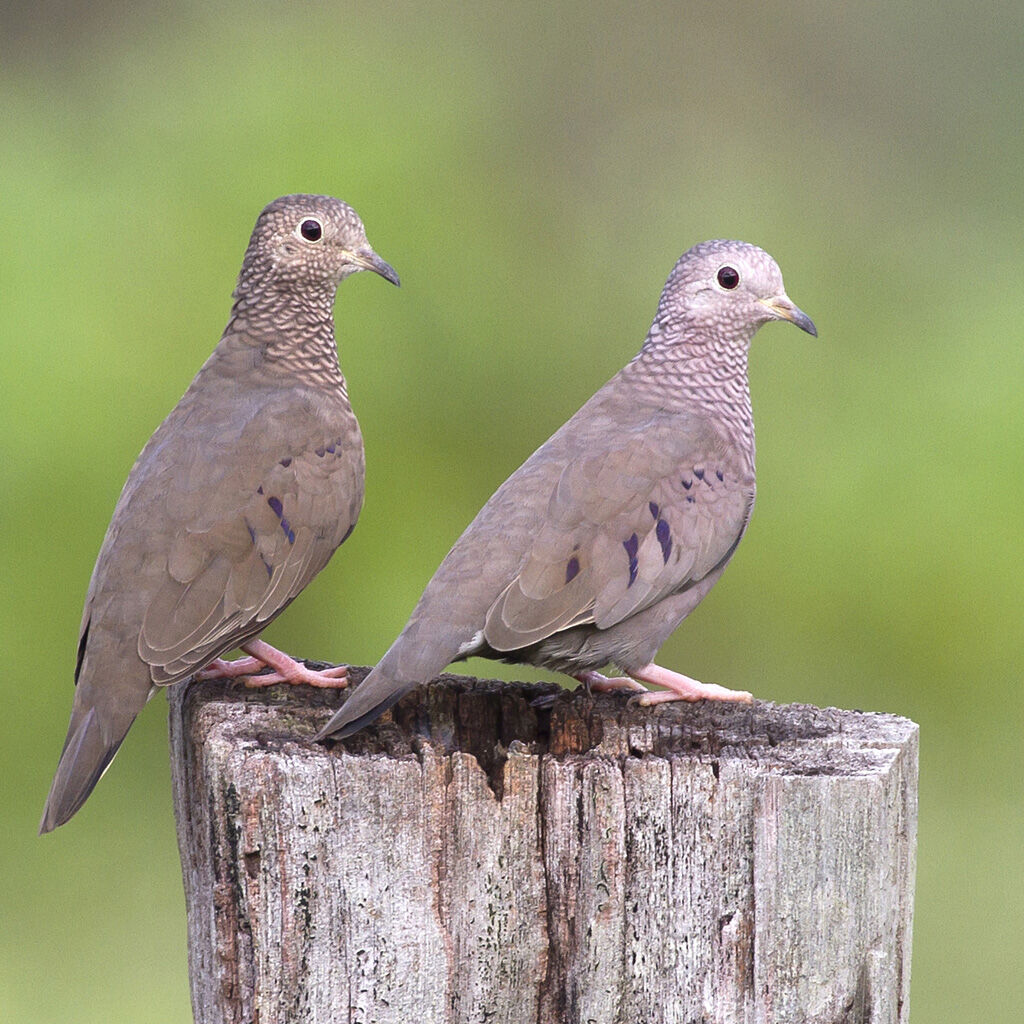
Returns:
point(237, 561)
point(623, 529)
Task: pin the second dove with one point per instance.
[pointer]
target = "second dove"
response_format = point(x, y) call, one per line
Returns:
point(613, 531)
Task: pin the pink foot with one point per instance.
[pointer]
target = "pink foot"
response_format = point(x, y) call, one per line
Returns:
point(680, 687)
point(221, 669)
point(597, 683)
point(286, 670)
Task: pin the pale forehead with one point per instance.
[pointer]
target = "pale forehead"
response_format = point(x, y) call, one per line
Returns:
point(706, 259)
point(286, 212)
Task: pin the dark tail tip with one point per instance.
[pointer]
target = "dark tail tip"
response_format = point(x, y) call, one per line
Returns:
point(351, 716)
point(85, 758)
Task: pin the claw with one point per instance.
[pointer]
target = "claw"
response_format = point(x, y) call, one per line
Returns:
point(594, 682)
point(680, 687)
point(285, 669)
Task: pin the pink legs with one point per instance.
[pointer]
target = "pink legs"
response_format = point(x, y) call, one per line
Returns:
point(286, 670)
point(597, 683)
point(677, 686)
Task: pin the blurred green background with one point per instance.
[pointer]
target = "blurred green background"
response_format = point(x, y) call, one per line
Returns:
point(532, 171)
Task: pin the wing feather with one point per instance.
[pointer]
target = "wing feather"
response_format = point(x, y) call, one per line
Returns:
point(623, 530)
point(229, 574)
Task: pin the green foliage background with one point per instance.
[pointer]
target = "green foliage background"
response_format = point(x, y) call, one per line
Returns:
point(532, 171)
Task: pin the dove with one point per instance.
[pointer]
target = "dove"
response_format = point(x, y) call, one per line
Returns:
point(237, 501)
point(613, 531)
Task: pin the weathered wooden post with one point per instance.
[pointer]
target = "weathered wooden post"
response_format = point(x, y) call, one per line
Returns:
point(474, 858)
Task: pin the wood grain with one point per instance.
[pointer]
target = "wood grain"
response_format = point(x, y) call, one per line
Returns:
point(474, 858)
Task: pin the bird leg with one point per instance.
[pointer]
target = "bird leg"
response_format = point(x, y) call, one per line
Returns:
point(680, 687)
point(286, 670)
point(677, 686)
point(594, 682)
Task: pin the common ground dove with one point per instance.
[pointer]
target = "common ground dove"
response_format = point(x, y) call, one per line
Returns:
point(609, 535)
point(238, 500)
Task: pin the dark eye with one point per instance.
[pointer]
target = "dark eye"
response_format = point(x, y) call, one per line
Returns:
point(311, 230)
point(728, 277)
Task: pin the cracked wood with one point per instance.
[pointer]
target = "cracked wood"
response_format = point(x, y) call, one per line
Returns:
point(475, 858)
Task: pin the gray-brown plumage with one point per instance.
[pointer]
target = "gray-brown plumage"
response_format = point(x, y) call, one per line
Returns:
point(238, 500)
point(609, 535)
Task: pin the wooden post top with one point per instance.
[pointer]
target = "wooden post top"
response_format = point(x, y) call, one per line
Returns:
point(485, 717)
point(510, 852)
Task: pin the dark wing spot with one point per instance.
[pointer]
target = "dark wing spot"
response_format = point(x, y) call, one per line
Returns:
point(288, 531)
point(572, 569)
point(286, 462)
point(632, 546)
point(267, 566)
point(655, 509)
point(259, 490)
point(320, 452)
point(686, 483)
point(664, 535)
point(718, 473)
point(252, 532)
point(81, 649)
point(332, 448)
point(698, 473)
point(275, 504)
point(689, 498)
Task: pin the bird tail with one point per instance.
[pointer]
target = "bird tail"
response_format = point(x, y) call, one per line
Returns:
point(94, 735)
point(417, 656)
point(370, 699)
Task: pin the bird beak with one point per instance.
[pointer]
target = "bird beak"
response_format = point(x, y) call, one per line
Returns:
point(783, 308)
point(369, 260)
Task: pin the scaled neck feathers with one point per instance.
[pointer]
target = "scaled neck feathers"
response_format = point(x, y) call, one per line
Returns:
point(293, 327)
point(681, 367)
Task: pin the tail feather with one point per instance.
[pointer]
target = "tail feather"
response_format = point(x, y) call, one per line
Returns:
point(370, 699)
point(428, 643)
point(88, 751)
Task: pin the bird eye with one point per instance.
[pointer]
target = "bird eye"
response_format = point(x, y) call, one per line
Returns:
point(311, 230)
point(728, 277)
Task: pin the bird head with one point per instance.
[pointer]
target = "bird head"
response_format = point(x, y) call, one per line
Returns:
point(728, 289)
point(312, 241)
